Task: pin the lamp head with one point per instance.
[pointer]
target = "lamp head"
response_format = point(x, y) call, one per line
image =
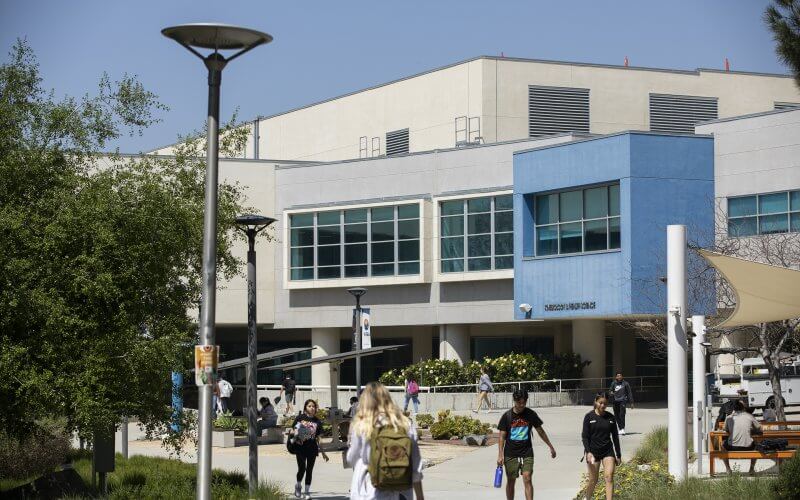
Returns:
point(356, 292)
point(254, 220)
point(216, 36)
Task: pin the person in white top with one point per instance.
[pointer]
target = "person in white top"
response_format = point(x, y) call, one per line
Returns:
point(225, 390)
point(375, 410)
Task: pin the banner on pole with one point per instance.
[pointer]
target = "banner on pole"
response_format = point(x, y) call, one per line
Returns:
point(206, 359)
point(366, 337)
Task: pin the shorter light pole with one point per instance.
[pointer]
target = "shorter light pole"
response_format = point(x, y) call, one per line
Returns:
point(357, 293)
point(698, 386)
point(251, 225)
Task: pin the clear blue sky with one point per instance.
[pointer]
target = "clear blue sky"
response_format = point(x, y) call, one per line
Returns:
point(326, 48)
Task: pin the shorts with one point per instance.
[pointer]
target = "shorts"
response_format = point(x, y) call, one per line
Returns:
point(738, 448)
point(599, 455)
point(516, 465)
point(289, 398)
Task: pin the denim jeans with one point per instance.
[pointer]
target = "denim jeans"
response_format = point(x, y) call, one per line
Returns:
point(415, 399)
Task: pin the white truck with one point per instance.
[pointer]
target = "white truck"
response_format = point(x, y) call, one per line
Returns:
point(755, 381)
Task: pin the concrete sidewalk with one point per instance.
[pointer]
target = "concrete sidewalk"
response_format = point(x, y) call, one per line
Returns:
point(469, 474)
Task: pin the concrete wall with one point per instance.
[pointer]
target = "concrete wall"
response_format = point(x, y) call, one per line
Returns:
point(663, 180)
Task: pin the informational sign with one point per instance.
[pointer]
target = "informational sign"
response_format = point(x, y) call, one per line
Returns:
point(366, 336)
point(206, 359)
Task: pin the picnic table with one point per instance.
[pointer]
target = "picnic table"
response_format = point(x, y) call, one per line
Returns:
point(716, 450)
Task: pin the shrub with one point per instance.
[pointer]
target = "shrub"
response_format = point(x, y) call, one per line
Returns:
point(733, 486)
point(447, 427)
point(653, 447)
point(630, 478)
point(46, 447)
point(424, 420)
point(788, 483)
point(227, 422)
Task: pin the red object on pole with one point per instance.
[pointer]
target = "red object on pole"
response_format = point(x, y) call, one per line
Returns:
point(626, 61)
point(727, 65)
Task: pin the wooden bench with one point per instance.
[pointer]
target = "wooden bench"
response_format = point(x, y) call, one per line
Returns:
point(716, 451)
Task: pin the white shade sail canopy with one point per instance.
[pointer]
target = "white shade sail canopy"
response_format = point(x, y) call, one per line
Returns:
point(763, 292)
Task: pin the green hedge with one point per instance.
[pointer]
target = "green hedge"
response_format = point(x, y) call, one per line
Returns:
point(447, 426)
point(508, 368)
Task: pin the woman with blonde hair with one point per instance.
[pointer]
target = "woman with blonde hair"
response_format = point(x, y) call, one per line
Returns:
point(379, 420)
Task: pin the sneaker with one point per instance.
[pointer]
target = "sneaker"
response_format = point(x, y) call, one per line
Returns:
point(307, 496)
point(298, 491)
point(622, 432)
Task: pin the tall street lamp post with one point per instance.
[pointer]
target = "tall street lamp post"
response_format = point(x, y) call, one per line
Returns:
point(251, 225)
point(215, 37)
point(357, 293)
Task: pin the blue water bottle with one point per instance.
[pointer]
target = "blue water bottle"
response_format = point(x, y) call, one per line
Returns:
point(498, 477)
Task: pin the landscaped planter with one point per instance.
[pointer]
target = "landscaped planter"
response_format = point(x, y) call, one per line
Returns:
point(223, 439)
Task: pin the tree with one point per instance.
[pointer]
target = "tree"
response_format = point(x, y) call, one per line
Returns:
point(100, 257)
point(783, 18)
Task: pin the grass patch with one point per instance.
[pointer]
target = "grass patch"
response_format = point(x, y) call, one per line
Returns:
point(733, 486)
point(655, 447)
point(162, 478)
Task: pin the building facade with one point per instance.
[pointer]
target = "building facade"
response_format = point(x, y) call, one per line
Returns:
point(425, 191)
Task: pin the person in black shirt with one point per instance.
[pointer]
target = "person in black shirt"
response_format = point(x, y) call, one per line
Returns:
point(600, 445)
point(288, 388)
point(305, 433)
point(515, 448)
point(621, 395)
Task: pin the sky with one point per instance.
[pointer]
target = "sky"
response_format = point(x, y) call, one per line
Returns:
point(323, 49)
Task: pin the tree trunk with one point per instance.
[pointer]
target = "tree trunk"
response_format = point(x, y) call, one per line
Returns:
point(772, 361)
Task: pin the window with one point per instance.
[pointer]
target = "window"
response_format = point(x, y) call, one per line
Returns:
point(764, 214)
point(577, 221)
point(397, 142)
point(355, 243)
point(553, 110)
point(476, 234)
point(680, 113)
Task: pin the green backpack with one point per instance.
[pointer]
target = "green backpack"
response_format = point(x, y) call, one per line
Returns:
point(390, 459)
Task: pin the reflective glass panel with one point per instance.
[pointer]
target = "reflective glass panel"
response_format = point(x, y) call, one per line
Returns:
point(383, 252)
point(570, 206)
point(547, 209)
point(453, 266)
point(301, 220)
point(382, 213)
point(547, 240)
point(355, 254)
point(595, 235)
point(505, 202)
point(382, 231)
point(744, 226)
point(452, 247)
point(329, 272)
point(738, 207)
point(452, 207)
point(408, 268)
point(506, 262)
point(476, 205)
point(483, 264)
point(302, 237)
point(479, 246)
point(595, 202)
point(504, 244)
point(613, 233)
point(503, 221)
point(479, 223)
point(354, 233)
point(571, 237)
point(306, 273)
point(407, 229)
point(453, 226)
point(302, 257)
point(382, 269)
point(328, 235)
point(358, 215)
point(770, 224)
point(408, 250)
point(613, 199)
point(329, 255)
point(773, 203)
point(795, 200)
point(355, 271)
point(328, 218)
point(408, 211)
point(795, 223)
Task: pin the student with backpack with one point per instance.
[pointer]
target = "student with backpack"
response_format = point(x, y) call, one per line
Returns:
point(515, 447)
point(412, 392)
point(383, 451)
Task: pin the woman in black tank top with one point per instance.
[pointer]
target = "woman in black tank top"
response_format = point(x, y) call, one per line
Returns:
point(600, 445)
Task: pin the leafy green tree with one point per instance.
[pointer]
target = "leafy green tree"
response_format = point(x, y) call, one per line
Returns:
point(100, 254)
point(783, 18)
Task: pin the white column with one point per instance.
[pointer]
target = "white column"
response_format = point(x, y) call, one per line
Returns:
point(326, 341)
point(454, 342)
point(677, 383)
point(589, 340)
point(698, 386)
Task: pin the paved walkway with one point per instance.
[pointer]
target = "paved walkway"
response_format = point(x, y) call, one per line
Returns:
point(468, 475)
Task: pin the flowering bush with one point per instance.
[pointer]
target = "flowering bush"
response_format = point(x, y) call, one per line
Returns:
point(630, 477)
point(424, 420)
point(507, 368)
point(447, 427)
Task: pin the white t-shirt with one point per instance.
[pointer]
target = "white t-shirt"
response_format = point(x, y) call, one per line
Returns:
point(225, 389)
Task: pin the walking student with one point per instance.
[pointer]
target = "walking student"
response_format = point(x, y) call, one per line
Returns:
point(305, 433)
point(515, 448)
point(600, 446)
point(288, 389)
point(383, 451)
point(621, 396)
point(412, 392)
point(225, 391)
point(484, 388)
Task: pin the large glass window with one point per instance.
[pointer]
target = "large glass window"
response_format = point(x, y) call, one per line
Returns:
point(764, 214)
point(578, 220)
point(378, 241)
point(476, 234)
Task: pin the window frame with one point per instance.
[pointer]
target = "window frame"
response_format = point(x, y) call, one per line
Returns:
point(608, 218)
point(758, 215)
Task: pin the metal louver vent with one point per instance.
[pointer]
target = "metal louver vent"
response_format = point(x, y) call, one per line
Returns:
point(787, 105)
point(397, 142)
point(552, 110)
point(679, 114)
